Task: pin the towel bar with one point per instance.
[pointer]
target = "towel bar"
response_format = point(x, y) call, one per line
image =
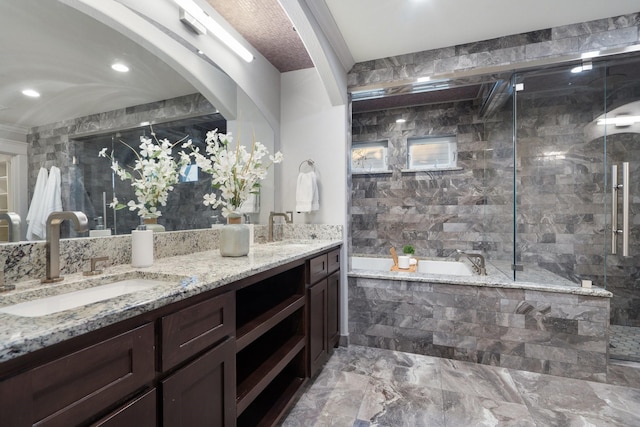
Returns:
point(309, 162)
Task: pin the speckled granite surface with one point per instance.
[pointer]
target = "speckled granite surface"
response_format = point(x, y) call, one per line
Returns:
point(203, 270)
point(496, 278)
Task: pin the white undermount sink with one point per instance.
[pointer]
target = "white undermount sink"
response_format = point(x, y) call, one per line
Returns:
point(66, 301)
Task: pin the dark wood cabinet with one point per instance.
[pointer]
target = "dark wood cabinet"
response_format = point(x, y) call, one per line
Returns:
point(202, 393)
point(139, 412)
point(270, 345)
point(75, 387)
point(236, 355)
point(323, 282)
point(195, 328)
point(318, 342)
point(333, 310)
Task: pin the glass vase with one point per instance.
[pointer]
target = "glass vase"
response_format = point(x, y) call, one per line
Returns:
point(152, 224)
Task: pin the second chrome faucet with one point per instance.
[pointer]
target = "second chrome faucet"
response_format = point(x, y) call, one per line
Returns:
point(288, 217)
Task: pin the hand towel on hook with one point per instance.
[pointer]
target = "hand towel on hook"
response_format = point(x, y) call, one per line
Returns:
point(307, 192)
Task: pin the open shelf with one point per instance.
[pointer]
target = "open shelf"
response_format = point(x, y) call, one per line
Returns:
point(255, 383)
point(255, 328)
point(268, 407)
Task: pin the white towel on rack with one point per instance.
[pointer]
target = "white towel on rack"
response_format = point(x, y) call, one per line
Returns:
point(307, 192)
point(51, 201)
point(37, 201)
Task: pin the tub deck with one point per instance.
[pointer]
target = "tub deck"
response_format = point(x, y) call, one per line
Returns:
point(499, 275)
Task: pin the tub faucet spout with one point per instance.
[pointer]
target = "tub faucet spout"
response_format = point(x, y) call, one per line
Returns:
point(477, 260)
point(80, 223)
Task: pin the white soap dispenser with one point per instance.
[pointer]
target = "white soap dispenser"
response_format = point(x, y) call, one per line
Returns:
point(141, 247)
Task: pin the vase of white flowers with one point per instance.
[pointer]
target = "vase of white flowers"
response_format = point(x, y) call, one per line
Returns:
point(237, 174)
point(152, 177)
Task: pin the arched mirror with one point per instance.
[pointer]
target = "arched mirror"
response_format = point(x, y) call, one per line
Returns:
point(67, 57)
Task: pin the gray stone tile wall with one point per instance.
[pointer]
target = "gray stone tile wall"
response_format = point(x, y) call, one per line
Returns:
point(558, 334)
point(619, 31)
point(55, 145)
point(561, 219)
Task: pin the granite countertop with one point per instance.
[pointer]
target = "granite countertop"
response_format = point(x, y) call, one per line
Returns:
point(185, 276)
point(534, 279)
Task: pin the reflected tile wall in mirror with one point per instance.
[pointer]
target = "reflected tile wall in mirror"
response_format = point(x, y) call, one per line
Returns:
point(85, 176)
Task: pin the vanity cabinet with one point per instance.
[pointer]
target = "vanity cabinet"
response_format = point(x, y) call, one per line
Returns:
point(323, 281)
point(140, 412)
point(202, 392)
point(235, 355)
point(76, 386)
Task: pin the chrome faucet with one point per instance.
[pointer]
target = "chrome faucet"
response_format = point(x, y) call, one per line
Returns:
point(13, 219)
point(80, 224)
point(477, 260)
point(288, 217)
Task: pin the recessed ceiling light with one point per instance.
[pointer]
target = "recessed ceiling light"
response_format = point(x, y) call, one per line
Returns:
point(31, 93)
point(401, 120)
point(121, 68)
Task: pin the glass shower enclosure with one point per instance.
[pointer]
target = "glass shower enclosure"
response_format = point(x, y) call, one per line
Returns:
point(576, 180)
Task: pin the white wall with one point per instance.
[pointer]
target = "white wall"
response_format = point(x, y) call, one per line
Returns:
point(312, 129)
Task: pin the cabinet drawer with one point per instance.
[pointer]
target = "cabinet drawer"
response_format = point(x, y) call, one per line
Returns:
point(140, 412)
point(318, 267)
point(334, 260)
point(76, 387)
point(195, 328)
point(203, 392)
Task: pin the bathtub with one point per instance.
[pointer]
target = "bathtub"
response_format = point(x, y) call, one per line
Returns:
point(450, 268)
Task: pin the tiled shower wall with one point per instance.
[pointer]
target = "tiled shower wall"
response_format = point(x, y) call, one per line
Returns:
point(438, 211)
point(561, 213)
point(54, 145)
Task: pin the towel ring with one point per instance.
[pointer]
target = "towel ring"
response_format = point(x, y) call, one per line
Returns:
point(309, 163)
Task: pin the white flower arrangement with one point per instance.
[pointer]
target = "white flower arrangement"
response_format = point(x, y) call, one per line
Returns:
point(152, 177)
point(236, 172)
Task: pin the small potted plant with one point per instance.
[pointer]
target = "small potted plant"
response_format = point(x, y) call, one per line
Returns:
point(409, 251)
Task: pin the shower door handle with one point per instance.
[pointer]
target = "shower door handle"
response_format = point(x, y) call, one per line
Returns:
point(625, 209)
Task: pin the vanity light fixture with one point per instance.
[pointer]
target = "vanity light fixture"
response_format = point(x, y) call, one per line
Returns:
point(423, 79)
point(31, 93)
point(191, 22)
point(120, 67)
point(210, 24)
point(619, 121)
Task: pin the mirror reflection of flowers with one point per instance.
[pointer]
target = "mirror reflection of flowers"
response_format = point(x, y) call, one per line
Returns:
point(234, 171)
point(152, 176)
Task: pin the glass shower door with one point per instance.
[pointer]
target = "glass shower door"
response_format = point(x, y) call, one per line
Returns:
point(619, 126)
point(560, 194)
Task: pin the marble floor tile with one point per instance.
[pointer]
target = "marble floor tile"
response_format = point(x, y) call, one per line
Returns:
point(368, 387)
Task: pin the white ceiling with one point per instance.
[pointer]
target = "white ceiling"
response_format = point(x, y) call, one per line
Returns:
point(375, 29)
point(67, 55)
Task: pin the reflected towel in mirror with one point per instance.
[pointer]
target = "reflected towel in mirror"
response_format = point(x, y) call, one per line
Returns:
point(49, 200)
point(36, 203)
